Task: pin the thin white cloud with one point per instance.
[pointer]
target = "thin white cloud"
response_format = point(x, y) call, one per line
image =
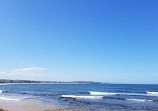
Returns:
point(36, 69)
point(2, 72)
point(28, 73)
point(28, 70)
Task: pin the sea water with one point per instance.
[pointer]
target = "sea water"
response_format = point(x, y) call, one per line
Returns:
point(99, 97)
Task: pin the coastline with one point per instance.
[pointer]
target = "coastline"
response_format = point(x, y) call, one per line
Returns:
point(41, 83)
point(103, 97)
point(9, 81)
point(2, 109)
point(32, 104)
point(35, 105)
point(29, 105)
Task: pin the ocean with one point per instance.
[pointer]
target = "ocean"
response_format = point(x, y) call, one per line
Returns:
point(87, 97)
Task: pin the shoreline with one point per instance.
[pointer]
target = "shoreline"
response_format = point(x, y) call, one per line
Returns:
point(2, 109)
point(40, 83)
point(29, 105)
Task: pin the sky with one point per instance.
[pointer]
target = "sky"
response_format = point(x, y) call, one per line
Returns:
point(114, 41)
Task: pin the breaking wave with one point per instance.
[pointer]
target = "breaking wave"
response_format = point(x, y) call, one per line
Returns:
point(10, 99)
point(82, 97)
point(155, 93)
point(1, 91)
point(101, 93)
point(107, 93)
point(140, 100)
point(130, 94)
point(4, 91)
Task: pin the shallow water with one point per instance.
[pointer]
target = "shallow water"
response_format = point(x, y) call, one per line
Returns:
point(100, 97)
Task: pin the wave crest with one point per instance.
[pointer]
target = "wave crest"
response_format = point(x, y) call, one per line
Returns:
point(140, 100)
point(10, 99)
point(107, 93)
point(155, 93)
point(82, 97)
point(101, 93)
point(1, 91)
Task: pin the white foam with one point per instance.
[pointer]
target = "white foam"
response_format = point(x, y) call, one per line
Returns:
point(1, 91)
point(83, 97)
point(152, 94)
point(101, 93)
point(140, 100)
point(130, 94)
point(155, 93)
point(107, 93)
point(137, 94)
point(9, 98)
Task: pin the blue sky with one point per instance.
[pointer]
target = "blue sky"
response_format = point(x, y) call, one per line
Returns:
point(112, 41)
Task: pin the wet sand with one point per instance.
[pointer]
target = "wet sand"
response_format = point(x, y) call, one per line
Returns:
point(2, 109)
point(29, 105)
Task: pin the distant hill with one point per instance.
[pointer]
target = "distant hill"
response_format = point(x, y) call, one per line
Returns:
point(59, 82)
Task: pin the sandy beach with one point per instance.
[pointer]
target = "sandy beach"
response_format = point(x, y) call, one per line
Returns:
point(29, 105)
point(34, 105)
point(2, 109)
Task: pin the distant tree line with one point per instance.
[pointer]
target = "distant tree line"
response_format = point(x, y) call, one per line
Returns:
point(59, 82)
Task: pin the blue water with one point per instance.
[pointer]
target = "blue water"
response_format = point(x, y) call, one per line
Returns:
point(92, 97)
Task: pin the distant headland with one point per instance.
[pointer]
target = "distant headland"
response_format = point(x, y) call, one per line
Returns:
point(8, 81)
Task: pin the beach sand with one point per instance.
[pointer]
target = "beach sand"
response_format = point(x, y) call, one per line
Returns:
point(2, 109)
point(34, 106)
point(29, 105)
